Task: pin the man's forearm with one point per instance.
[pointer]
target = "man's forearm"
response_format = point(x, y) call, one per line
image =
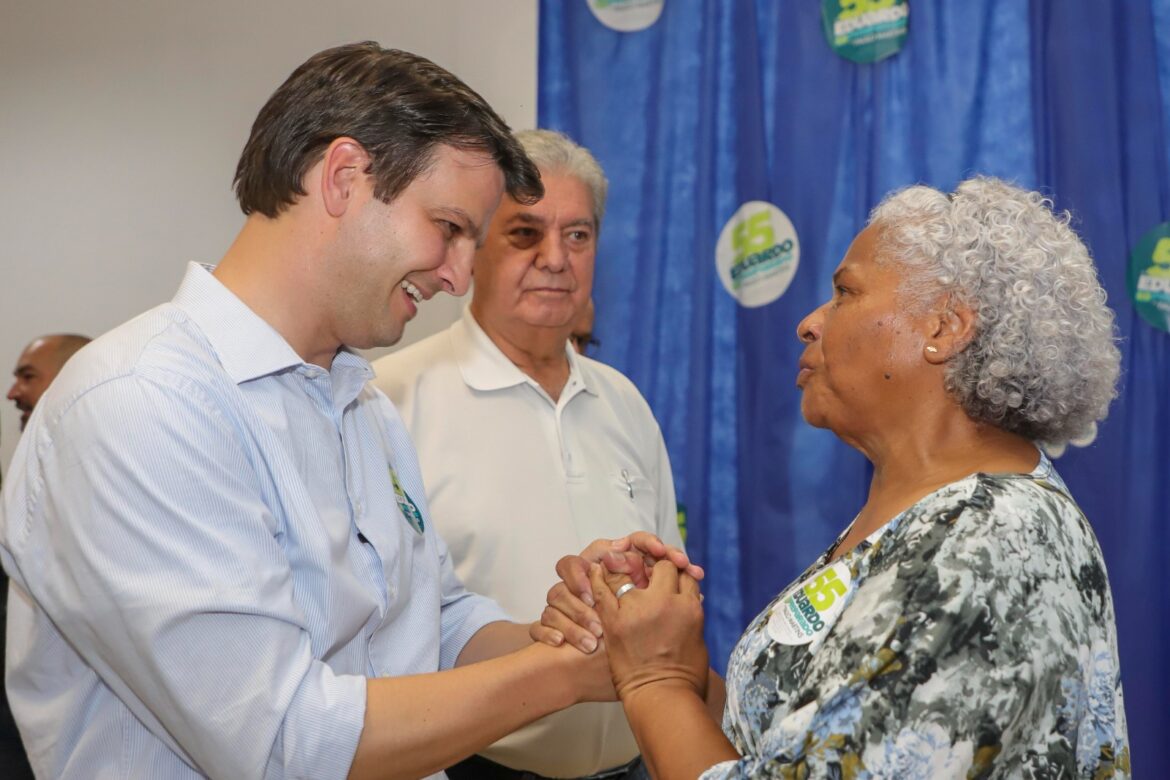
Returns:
point(419, 724)
point(494, 640)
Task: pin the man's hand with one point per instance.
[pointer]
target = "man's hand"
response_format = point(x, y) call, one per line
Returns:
point(570, 615)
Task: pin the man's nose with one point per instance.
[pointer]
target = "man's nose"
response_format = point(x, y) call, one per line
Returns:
point(14, 391)
point(455, 272)
point(553, 254)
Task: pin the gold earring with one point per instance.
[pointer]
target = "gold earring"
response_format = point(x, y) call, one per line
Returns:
point(932, 349)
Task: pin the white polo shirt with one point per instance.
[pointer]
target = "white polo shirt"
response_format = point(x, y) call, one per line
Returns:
point(515, 481)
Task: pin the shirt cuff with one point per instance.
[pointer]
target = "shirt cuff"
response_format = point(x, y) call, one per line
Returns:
point(461, 620)
point(321, 727)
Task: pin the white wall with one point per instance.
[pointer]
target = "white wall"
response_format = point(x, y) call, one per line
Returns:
point(121, 122)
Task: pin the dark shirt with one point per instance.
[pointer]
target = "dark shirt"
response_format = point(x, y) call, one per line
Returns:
point(13, 761)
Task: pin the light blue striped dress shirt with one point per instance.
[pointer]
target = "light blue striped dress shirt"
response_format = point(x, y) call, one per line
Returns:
point(208, 554)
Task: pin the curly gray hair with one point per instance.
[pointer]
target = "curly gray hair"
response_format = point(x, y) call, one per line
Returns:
point(556, 153)
point(1043, 362)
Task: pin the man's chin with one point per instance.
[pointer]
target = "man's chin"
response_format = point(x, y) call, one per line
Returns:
point(385, 338)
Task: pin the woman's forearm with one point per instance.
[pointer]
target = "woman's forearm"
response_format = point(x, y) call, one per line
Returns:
point(675, 731)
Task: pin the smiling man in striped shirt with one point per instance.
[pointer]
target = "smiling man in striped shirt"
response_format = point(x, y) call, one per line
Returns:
point(221, 554)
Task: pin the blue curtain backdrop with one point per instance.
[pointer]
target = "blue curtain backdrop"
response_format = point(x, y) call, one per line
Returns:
point(719, 103)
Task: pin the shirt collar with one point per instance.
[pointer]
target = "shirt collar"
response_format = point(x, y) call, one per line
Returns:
point(485, 367)
point(247, 346)
point(582, 367)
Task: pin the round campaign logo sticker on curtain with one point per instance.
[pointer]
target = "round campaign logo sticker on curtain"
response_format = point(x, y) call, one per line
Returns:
point(626, 15)
point(865, 30)
point(1149, 276)
point(757, 254)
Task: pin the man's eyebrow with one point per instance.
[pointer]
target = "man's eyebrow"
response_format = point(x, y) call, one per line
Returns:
point(526, 217)
point(466, 223)
point(23, 367)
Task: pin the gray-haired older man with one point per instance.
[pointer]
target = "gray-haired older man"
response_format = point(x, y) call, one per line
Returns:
point(529, 449)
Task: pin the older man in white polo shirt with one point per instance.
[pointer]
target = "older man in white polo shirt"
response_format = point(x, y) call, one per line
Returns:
point(529, 449)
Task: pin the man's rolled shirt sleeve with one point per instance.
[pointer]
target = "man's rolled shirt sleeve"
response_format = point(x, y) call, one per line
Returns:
point(463, 613)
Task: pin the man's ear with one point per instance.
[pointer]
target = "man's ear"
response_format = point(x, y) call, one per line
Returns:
point(951, 329)
point(343, 170)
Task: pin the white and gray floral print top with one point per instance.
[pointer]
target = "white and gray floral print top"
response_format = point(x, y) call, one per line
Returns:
point(972, 636)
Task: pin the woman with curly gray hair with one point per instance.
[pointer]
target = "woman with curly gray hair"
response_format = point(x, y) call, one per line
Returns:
point(962, 625)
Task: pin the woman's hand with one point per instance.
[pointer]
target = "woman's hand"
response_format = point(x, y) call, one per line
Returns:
point(654, 636)
point(570, 616)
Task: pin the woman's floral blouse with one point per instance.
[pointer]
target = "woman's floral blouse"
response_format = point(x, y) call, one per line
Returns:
point(972, 636)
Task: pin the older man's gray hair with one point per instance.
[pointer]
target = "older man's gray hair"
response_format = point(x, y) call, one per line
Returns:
point(556, 154)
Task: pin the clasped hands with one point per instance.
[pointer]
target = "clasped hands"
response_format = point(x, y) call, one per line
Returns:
point(653, 633)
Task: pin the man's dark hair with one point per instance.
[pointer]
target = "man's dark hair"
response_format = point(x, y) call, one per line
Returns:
point(68, 344)
point(397, 105)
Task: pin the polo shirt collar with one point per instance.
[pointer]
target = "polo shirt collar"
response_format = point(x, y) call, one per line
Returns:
point(247, 346)
point(485, 367)
point(581, 367)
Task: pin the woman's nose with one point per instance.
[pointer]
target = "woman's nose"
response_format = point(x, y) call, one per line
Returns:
point(808, 330)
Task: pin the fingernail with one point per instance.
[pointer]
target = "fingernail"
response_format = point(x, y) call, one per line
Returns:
point(587, 597)
point(588, 644)
point(596, 628)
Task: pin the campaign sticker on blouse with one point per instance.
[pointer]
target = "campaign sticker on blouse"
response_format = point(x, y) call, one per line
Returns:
point(757, 253)
point(807, 612)
point(626, 15)
point(406, 505)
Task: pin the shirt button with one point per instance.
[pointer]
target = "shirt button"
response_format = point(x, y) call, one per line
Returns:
point(357, 508)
